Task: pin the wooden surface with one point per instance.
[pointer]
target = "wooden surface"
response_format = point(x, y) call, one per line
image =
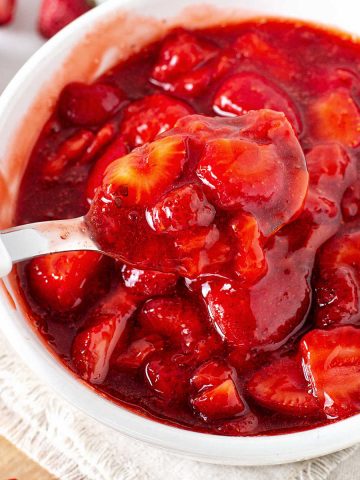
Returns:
point(15, 465)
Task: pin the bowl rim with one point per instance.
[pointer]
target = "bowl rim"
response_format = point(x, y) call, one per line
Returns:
point(251, 450)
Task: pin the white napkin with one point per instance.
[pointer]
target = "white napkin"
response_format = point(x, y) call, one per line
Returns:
point(71, 445)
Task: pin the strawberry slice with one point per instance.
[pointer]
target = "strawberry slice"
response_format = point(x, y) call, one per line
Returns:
point(250, 262)
point(331, 361)
point(146, 171)
point(61, 281)
point(217, 394)
point(114, 151)
point(336, 117)
point(229, 309)
point(337, 281)
point(180, 209)
point(254, 48)
point(138, 351)
point(7, 8)
point(350, 205)
point(206, 249)
point(281, 386)
point(337, 297)
point(102, 138)
point(247, 91)
point(174, 318)
point(148, 283)
point(92, 348)
point(168, 379)
point(56, 14)
point(181, 58)
point(259, 167)
point(68, 153)
point(88, 105)
point(146, 118)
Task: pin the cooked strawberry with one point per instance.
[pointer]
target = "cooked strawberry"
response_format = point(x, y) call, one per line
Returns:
point(204, 249)
point(245, 425)
point(211, 374)
point(247, 91)
point(148, 282)
point(254, 48)
point(328, 161)
point(68, 152)
point(229, 310)
point(336, 117)
point(102, 138)
point(207, 347)
point(146, 118)
point(167, 378)
point(138, 351)
point(6, 11)
point(180, 209)
point(250, 262)
point(147, 171)
point(331, 361)
point(174, 318)
point(87, 105)
point(114, 151)
point(92, 348)
point(350, 205)
point(337, 299)
point(259, 168)
point(181, 55)
point(61, 281)
point(281, 386)
point(217, 395)
point(56, 14)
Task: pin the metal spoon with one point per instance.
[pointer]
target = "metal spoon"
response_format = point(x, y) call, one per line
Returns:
point(35, 239)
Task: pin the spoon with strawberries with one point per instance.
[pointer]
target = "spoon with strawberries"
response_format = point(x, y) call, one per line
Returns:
point(186, 201)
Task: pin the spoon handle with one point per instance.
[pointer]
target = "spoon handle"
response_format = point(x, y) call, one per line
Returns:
point(35, 239)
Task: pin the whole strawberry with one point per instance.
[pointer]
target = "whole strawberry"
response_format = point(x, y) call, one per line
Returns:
point(56, 14)
point(6, 11)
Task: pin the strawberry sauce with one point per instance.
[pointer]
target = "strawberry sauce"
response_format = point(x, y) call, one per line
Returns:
point(232, 302)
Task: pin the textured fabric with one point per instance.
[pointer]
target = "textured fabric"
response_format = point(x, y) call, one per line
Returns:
point(75, 447)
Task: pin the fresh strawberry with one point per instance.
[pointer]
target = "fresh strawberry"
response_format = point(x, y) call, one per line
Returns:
point(250, 262)
point(174, 318)
point(180, 209)
point(146, 118)
point(94, 346)
point(114, 151)
point(331, 361)
point(56, 14)
point(261, 168)
point(281, 386)
point(148, 282)
point(138, 351)
point(230, 311)
point(336, 117)
point(247, 91)
point(182, 55)
point(167, 378)
point(6, 11)
point(68, 152)
point(204, 249)
point(61, 281)
point(146, 171)
point(217, 395)
point(88, 105)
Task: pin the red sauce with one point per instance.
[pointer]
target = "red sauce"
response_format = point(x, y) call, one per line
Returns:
point(253, 319)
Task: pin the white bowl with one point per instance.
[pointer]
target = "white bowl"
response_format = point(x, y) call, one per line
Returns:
point(80, 52)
